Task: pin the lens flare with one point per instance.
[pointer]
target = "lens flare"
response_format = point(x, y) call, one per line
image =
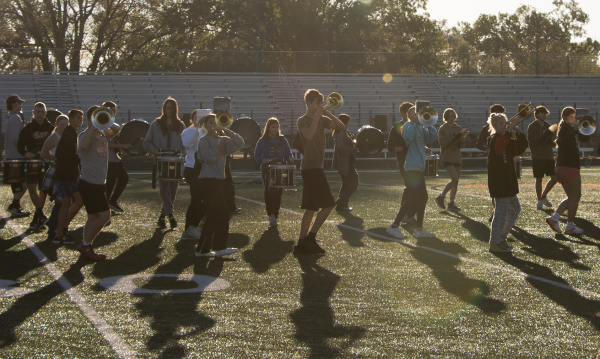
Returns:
point(387, 78)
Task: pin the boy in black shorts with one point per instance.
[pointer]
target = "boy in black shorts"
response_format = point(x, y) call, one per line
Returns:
point(316, 194)
point(542, 158)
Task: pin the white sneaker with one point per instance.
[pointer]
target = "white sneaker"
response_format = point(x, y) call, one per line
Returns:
point(273, 221)
point(540, 205)
point(396, 232)
point(191, 234)
point(423, 233)
point(573, 230)
point(225, 252)
point(546, 202)
point(209, 254)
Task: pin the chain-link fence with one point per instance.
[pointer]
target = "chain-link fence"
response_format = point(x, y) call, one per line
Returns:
point(182, 61)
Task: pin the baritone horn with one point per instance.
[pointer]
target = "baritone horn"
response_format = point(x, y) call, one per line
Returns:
point(103, 118)
point(223, 118)
point(587, 125)
point(428, 116)
point(334, 101)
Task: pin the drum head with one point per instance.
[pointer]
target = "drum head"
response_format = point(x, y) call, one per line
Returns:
point(369, 141)
point(51, 116)
point(249, 130)
point(134, 132)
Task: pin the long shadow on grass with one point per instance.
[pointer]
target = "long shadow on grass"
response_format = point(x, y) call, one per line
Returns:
point(548, 248)
point(570, 300)
point(452, 280)
point(315, 320)
point(268, 250)
point(353, 238)
point(478, 230)
point(29, 304)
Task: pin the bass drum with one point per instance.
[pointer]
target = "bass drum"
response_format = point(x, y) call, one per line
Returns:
point(51, 115)
point(249, 130)
point(133, 133)
point(369, 141)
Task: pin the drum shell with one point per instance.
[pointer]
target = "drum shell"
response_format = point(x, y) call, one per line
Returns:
point(133, 133)
point(170, 168)
point(36, 167)
point(518, 166)
point(369, 141)
point(14, 171)
point(249, 130)
point(282, 176)
point(431, 166)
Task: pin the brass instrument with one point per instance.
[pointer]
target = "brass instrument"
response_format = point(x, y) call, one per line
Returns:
point(459, 136)
point(103, 118)
point(524, 112)
point(334, 101)
point(549, 136)
point(223, 118)
point(587, 125)
point(428, 116)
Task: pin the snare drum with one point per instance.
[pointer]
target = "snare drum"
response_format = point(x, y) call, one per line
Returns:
point(37, 167)
point(170, 168)
point(518, 166)
point(431, 166)
point(14, 171)
point(282, 176)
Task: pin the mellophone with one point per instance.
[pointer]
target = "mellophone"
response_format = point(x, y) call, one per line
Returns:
point(168, 166)
point(15, 170)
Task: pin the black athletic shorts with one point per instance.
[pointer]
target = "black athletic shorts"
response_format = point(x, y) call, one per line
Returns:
point(542, 167)
point(450, 164)
point(316, 193)
point(93, 197)
point(17, 187)
point(35, 179)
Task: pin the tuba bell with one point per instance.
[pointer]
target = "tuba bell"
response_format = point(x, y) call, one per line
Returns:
point(428, 116)
point(103, 118)
point(587, 125)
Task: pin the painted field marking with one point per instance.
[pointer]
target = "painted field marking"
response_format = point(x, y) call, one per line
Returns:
point(124, 284)
point(118, 345)
point(7, 289)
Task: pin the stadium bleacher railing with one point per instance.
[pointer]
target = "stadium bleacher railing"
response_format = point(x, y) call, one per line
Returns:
point(15, 60)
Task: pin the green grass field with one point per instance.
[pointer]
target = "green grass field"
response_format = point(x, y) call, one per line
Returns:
point(369, 296)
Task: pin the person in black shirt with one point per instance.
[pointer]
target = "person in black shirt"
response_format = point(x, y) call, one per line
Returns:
point(567, 170)
point(30, 143)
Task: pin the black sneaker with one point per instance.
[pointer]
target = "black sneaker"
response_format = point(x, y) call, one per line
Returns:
point(34, 222)
point(16, 212)
point(308, 245)
point(115, 207)
point(59, 240)
point(453, 207)
point(439, 200)
point(42, 221)
point(172, 222)
point(161, 222)
point(67, 238)
point(236, 210)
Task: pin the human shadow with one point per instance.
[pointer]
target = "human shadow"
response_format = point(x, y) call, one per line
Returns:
point(29, 304)
point(547, 248)
point(351, 237)
point(267, 251)
point(589, 228)
point(452, 280)
point(478, 230)
point(542, 279)
point(315, 320)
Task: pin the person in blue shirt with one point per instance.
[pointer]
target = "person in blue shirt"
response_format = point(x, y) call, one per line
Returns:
point(415, 136)
point(272, 148)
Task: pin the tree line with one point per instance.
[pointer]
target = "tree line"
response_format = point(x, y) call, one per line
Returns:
point(108, 35)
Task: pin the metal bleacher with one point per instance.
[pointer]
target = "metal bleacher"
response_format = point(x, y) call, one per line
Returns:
point(261, 96)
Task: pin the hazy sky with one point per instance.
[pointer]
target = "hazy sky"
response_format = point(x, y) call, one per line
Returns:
point(469, 10)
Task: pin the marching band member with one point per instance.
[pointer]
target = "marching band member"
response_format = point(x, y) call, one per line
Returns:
point(397, 146)
point(197, 208)
point(164, 134)
point(93, 152)
point(30, 143)
point(542, 157)
point(316, 194)
point(416, 136)
point(450, 156)
point(567, 170)
point(272, 148)
point(502, 178)
point(116, 176)
point(67, 174)
point(48, 153)
point(213, 149)
point(344, 161)
point(14, 125)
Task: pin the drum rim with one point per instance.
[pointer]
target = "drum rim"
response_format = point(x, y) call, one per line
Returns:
point(282, 167)
point(169, 158)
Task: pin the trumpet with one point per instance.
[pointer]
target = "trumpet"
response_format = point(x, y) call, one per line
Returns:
point(334, 101)
point(223, 118)
point(103, 118)
point(587, 125)
point(428, 116)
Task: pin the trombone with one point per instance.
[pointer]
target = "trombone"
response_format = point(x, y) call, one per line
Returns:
point(334, 101)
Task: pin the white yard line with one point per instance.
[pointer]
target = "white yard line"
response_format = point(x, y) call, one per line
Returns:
point(118, 345)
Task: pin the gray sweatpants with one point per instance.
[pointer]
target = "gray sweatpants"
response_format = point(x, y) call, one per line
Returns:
point(505, 215)
point(168, 191)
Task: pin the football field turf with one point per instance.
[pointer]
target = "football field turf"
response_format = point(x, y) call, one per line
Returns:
point(371, 295)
